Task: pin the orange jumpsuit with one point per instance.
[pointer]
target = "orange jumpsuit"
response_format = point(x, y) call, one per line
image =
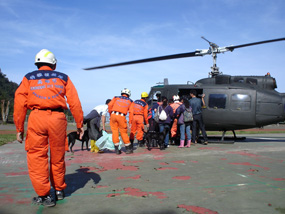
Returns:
point(174, 125)
point(118, 109)
point(140, 112)
point(44, 91)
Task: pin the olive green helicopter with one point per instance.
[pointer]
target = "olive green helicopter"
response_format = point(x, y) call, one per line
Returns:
point(232, 102)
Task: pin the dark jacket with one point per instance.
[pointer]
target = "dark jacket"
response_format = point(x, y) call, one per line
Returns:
point(196, 105)
point(169, 112)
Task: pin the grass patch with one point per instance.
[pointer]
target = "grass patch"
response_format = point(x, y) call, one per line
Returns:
point(6, 138)
point(281, 210)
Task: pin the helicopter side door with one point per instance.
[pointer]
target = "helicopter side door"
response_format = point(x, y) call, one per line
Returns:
point(229, 108)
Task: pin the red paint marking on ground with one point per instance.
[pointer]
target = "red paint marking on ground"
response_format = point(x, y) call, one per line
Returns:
point(114, 162)
point(80, 157)
point(194, 161)
point(110, 164)
point(100, 186)
point(159, 158)
point(253, 170)
point(164, 163)
point(198, 210)
point(134, 177)
point(153, 151)
point(211, 148)
point(182, 177)
point(249, 164)
point(113, 195)
point(138, 193)
point(279, 179)
point(165, 168)
point(181, 161)
point(6, 199)
point(140, 161)
point(245, 154)
point(88, 169)
point(17, 173)
point(24, 201)
point(104, 161)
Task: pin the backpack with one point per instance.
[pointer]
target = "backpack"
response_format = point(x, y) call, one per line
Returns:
point(163, 115)
point(160, 116)
point(187, 115)
point(156, 116)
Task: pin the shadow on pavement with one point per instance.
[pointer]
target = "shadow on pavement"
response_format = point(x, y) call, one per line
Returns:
point(79, 179)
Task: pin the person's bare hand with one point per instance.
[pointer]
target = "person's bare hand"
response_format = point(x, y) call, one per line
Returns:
point(20, 136)
point(80, 131)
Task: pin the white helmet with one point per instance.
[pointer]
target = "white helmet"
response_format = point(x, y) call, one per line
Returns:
point(176, 97)
point(126, 91)
point(45, 56)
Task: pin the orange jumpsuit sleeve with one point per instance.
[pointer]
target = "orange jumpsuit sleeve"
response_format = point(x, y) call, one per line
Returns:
point(74, 103)
point(145, 114)
point(111, 104)
point(20, 105)
point(131, 113)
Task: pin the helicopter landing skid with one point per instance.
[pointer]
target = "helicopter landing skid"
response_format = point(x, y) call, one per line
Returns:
point(224, 139)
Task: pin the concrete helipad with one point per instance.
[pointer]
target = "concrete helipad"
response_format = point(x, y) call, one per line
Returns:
point(244, 177)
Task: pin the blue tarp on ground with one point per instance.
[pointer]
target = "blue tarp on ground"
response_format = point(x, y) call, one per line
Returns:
point(106, 142)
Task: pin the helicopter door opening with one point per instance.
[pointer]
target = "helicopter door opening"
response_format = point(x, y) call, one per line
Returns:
point(186, 92)
point(153, 96)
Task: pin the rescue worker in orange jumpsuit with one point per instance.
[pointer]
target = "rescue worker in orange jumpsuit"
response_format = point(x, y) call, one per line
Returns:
point(118, 109)
point(140, 116)
point(43, 92)
point(174, 105)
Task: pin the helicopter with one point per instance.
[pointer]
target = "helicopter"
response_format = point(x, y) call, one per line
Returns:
point(232, 102)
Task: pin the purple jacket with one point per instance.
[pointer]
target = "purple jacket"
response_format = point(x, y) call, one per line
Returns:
point(169, 112)
point(180, 113)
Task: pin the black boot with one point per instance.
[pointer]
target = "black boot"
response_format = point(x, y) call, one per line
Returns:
point(141, 143)
point(118, 152)
point(132, 144)
point(129, 149)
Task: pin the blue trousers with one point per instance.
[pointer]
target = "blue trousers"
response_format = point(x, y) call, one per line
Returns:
point(162, 126)
point(185, 128)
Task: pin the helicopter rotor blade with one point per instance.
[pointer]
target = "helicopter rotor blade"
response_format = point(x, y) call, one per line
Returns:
point(203, 52)
point(231, 48)
point(174, 56)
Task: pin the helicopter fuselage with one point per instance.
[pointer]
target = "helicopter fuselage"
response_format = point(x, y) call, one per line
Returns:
point(233, 102)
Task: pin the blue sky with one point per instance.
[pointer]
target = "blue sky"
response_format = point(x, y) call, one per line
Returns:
point(89, 33)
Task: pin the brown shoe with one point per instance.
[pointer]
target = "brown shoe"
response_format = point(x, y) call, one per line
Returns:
point(205, 142)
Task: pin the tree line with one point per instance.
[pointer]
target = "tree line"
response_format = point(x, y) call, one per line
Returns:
point(7, 91)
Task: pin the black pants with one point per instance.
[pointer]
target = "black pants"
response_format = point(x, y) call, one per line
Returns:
point(198, 119)
point(93, 120)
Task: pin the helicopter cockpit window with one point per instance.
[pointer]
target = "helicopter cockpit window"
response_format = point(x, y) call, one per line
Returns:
point(238, 79)
point(217, 101)
point(251, 81)
point(241, 102)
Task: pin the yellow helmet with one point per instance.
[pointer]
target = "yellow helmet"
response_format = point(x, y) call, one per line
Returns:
point(144, 95)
